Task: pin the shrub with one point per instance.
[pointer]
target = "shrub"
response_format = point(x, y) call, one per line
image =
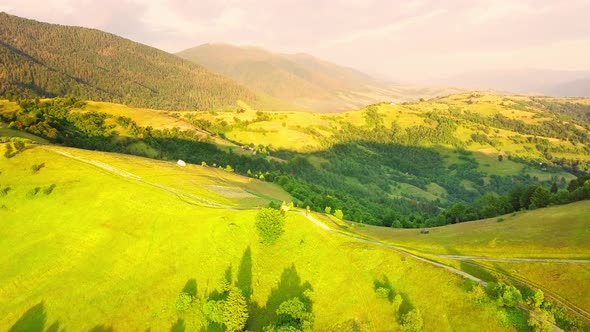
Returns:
point(328, 210)
point(9, 151)
point(37, 167)
point(339, 214)
point(505, 295)
point(183, 302)
point(500, 219)
point(270, 225)
point(4, 191)
point(412, 321)
point(33, 191)
point(477, 294)
point(49, 189)
point(383, 292)
point(397, 302)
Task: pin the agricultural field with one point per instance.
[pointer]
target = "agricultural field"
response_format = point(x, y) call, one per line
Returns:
point(117, 246)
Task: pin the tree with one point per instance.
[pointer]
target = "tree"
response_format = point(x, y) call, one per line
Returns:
point(540, 197)
point(328, 210)
point(270, 225)
point(412, 321)
point(235, 310)
point(500, 157)
point(339, 214)
point(183, 302)
point(294, 315)
point(554, 188)
point(505, 295)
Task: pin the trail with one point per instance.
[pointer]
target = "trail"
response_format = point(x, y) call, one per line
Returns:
point(182, 195)
point(515, 260)
point(406, 253)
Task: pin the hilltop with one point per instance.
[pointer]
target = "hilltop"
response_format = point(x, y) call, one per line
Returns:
point(302, 79)
point(48, 60)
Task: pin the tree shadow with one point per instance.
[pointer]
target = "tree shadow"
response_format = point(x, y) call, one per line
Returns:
point(290, 285)
point(244, 279)
point(178, 326)
point(472, 268)
point(190, 288)
point(102, 328)
point(54, 327)
point(31, 321)
point(386, 283)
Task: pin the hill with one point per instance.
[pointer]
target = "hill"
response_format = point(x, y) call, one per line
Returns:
point(48, 60)
point(119, 238)
point(302, 79)
point(527, 81)
point(404, 165)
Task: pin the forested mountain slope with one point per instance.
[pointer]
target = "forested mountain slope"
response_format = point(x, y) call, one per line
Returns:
point(48, 60)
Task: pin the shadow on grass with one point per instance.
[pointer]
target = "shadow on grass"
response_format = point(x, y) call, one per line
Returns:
point(244, 281)
point(190, 288)
point(32, 320)
point(290, 286)
point(178, 326)
point(386, 283)
point(102, 328)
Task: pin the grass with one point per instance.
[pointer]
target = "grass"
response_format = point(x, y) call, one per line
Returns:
point(554, 232)
point(103, 250)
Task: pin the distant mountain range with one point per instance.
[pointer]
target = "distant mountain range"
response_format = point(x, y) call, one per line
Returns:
point(302, 79)
point(527, 81)
point(47, 60)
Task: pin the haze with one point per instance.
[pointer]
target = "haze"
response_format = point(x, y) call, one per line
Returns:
point(416, 41)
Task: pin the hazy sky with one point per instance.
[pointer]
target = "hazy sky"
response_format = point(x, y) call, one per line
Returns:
point(419, 39)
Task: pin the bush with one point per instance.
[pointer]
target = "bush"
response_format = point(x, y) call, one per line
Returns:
point(477, 294)
point(383, 292)
point(183, 302)
point(412, 321)
point(505, 295)
point(33, 192)
point(500, 219)
point(339, 214)
point(270, 225)
point(37, 167)
point(49, 189)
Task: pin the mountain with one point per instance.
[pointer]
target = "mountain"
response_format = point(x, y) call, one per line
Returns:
point(301, 78)
point(46, 60)
point(528, 81)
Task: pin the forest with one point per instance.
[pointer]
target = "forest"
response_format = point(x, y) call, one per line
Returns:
point(357, 179)
point(94, 65)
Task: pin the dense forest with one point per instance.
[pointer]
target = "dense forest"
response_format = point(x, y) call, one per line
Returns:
point(47, 60)
point(357, 179)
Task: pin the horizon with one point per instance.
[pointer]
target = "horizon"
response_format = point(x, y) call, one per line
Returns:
point(415, 43)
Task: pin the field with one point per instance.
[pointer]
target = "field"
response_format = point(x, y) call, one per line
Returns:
point(111, 247)
point(554, 232)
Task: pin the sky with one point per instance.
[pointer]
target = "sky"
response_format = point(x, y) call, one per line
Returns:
point(415, 40)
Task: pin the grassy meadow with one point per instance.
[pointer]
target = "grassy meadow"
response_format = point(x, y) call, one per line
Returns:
point(102, 249)
point(553, 232)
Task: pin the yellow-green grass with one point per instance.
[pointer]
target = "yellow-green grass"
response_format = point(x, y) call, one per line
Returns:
point(142, 116)
point(567, 282)
point(554, 232)
point(6, 132)
point(111, 251)
point(8, 106)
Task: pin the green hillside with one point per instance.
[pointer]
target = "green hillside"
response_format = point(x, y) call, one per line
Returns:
point(453, 159)
point(110, 241)
point(302, 79)
point(47, 60)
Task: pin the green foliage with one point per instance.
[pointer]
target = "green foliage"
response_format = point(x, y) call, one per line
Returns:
point(477, 294)
point(383, 292)
point(213, 311)
point(339, 214)
point(328, 210)
point(412, 321)
point(46, 64)
point(183, 302)
point(235, 310)
point(541, 321)
point(540, 198)
point(504, 295)
point(270, 225)
point(397, 302)
point(294, 315)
